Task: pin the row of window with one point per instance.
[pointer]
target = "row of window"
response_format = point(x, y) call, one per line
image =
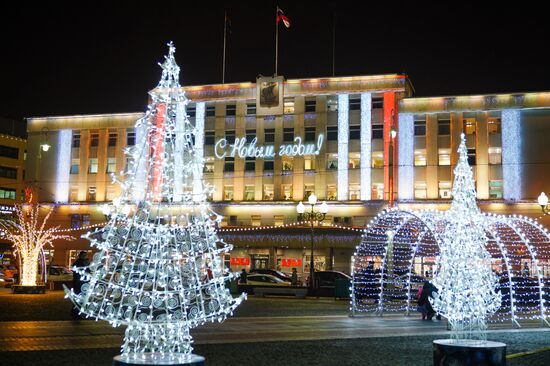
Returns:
point(469, 126)
point(9, 152)
point(444, 156)
point(278, 220)
point(111, 140)
point(7, 193)
point(7, 172)
point(445, 189)
point(93, 166)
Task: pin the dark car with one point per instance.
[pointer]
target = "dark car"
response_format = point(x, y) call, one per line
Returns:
point(328, 278)
point(273, 272)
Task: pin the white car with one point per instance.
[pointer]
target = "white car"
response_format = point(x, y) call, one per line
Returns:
point(265, 280)
point(58, 273)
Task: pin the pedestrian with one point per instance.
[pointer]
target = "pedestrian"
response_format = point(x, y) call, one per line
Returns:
point(421, 305)
point(242, 278)
point(81, 262)
point(294, 277)
point(428, 290)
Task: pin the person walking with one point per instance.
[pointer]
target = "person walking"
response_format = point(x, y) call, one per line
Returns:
point(242, 278)
point(294, 277)
point(80, 262)
point(428, 290)
point(421, 305)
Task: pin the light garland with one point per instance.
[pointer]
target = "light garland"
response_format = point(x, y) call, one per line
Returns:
point(421, 242)
point(158, 269)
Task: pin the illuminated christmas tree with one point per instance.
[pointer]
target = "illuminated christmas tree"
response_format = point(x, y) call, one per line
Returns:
point(158, 269)
point(464, 276)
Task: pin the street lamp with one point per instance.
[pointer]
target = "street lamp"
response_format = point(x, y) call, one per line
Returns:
point(543, 202)
point(313, 217)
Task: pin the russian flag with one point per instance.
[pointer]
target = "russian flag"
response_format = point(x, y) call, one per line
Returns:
point(282, 16)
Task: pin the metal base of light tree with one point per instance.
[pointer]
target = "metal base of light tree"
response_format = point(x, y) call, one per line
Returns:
point(448, 352)
point(20, 289)
point(158, 359)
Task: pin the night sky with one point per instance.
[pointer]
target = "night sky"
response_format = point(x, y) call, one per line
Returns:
point(101, 57)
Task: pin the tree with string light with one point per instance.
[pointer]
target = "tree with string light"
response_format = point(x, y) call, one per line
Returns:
point(159, 269)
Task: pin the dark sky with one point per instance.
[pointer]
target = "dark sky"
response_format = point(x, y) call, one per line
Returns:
point(101, 56)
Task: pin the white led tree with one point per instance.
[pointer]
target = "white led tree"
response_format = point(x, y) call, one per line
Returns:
point(158, 269)
point(29, 237)
point(464, 277)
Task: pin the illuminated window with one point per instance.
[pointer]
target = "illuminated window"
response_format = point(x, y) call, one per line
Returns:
point(377, 158)
point(309, 162)
point(493, 125)
point(91, 194)
point(75, 166)
point(110, 193)
point(354, 161)
point(112, 139)
point(228, 193)
point(495, 155)
point(444, 127)
point(249, 192)
point(94, 139)
point(377, 191)
point(469, 126)
point(309, 189)
point(208, 165)
point(288, 163)
point(268, 192)
point(111, 165)
point(354, 192)
point(256, 220)
point(310, 105)
point(420, 190)
point(7, 193)
point(286, 192)
point(278, 220)
point(289, 106)
point(332, 104)
point(92, 166)
point(444, 156)
point(495, 189)
point(331, 192)
point(73, 194)
point(445, 190)
point(332, 161)
point(420, 157)
point(288, 134)
point(269, 135)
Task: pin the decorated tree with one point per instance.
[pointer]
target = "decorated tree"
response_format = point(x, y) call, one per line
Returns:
point(464, 277)
point(158, 269)
point(30, 237)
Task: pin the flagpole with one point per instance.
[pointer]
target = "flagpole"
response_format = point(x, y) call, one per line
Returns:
point(276, 42)
point(333, 42)
point(224, 43)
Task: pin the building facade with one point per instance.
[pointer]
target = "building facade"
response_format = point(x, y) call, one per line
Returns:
point(360, 143)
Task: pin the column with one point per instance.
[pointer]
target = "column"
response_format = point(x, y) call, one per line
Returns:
point(482, 156)
point(298, 179)
point(141, 158)
point(321, 124)
point(432, 182)
point(84, 151)
point(343, 142)
point(456, 130)
point(198, 189)
point(405, 159)
point(511, 154)
point(199, 128)
point(390, 113)
point(64, 141)
point(366, 142)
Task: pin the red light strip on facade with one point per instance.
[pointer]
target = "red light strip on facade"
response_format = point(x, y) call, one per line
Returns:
point(158, 152)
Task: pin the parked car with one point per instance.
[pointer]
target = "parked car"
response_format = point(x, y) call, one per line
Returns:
point(328, 278)
point(280, 275)
point(265, 280)
point(59, 273)
point(5, 281)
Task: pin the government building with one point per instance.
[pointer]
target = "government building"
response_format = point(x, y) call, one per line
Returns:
point(360, 143)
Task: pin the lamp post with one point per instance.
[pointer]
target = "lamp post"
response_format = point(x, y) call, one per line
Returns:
point(312, 216)
point(543, 202)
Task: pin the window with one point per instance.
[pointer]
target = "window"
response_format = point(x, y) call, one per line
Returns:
point(110, 193)
point(73, 194)
point(286, 192)
point(444, 127)
point(354, 132)
point(495, 189)
point(269, 135)
point(309, 134)
point(9, 152)
point(332, 161)
point(420, 157)
point(331, 192)
point(229, 165)
point(250, 135)
point(75, 166)
point(112, 139)
point(354, 160)
point(268, 165)
point(10, 173)
point(111, 165)
point(469, 126)
point(268, 192)
point(94, 139)
point(354, 192)
point(288, 163)
point(288, 134)
point(209, 137)
point(250, 109)
point(250, 164)
point(444, 156)
point(76, 221)
point(230, 136)
point(332, 133)
point(256, 220)
point(355, 104)
point(92, 166)
point(210, 111)
point(495, 155)
point(233, 220)
point(310, 105)
point(289, 106)
point(228, 193)
point(309, 162)
point(91, 194)
point(420, 190)
point(445, 190)
point(7, 193)
point(230, 110)
point(377, 191)
point(208, 165)
point(472, 157)
point(249, 192)
point(309, 189)
point(76, 140)
point(130, 138)
point(377, 131)
point(332, 104)
point(493, 125)
point(377, 103)
point(377, 158)
point(278, 220)
point(420, 128)
point(191, 112)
